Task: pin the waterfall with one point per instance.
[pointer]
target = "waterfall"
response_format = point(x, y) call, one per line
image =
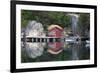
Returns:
point(74, 21)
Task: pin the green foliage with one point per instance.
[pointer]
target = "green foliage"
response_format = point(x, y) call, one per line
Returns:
point(84, 23)
point(45, 17)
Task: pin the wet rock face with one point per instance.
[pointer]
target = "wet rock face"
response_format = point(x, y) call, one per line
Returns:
point(34, 29)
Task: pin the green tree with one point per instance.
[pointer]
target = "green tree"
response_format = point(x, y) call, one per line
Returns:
point(84, 24)
point(45, 17)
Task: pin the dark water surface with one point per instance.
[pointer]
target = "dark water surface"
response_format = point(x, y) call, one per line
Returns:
point(38, 52)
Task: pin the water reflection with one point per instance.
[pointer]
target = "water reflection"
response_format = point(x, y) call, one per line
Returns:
point(29, 49)
point(34, 50)
point(38, 46)
point(37, 52)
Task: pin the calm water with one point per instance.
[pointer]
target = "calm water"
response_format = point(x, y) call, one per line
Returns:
point(55, 51)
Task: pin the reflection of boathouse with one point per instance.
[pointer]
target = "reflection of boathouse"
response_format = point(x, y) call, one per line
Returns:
point(57, 32)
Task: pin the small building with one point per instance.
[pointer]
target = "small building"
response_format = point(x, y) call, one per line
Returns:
point(55, 31)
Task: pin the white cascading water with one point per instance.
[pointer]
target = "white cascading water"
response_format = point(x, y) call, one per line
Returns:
point(74, 20)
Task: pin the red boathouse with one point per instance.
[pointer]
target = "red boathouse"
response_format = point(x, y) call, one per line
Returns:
point(56, 32)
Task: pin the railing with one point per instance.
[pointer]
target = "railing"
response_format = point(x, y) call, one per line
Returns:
point(54, 39)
